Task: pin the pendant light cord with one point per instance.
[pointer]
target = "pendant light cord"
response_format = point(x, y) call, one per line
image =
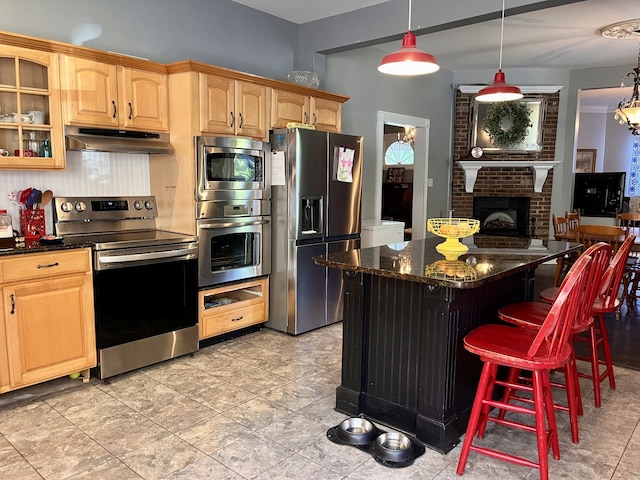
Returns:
point(409, 26)
point(501, 35)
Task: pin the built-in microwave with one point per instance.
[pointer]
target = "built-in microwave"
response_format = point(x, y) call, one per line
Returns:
point(232, 168)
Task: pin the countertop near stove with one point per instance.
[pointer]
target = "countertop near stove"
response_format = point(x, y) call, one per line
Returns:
point(4, 252)
point(489, 258)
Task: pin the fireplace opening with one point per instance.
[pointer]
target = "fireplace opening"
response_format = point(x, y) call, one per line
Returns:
point(502, 215)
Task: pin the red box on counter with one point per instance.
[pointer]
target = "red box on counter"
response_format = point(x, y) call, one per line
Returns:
point(32, 224)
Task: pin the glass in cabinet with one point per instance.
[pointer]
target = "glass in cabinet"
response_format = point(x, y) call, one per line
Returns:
point(30, 117)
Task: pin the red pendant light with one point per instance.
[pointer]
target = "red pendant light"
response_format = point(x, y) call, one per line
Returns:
point(499, 90)
point(408, 60)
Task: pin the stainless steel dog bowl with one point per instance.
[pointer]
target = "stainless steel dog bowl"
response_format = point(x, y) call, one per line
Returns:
point(394, 447)
point(356, 431)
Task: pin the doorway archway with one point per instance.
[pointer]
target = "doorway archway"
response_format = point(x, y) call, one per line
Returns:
point(420, 168)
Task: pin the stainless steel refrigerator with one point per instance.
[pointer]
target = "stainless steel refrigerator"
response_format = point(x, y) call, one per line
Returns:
point(315, 210)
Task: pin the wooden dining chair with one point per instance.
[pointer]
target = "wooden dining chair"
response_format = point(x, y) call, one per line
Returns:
point(630, 222)
point(562, 231)
point(588, 235)
point(572, 219)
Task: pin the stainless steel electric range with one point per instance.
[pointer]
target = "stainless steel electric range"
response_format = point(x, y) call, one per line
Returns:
point(145, 279)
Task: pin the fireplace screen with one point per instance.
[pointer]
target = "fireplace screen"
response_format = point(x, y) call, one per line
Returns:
point(502, 215)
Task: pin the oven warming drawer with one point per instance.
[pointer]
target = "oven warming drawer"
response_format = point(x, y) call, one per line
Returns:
point(147, 351)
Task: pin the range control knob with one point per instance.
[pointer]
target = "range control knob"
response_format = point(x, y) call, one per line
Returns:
point(137, 205)
point(148, 205)
point(66, 207)
point(80, 206)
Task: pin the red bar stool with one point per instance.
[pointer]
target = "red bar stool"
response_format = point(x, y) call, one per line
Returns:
point(606, 302)
point(531, 315)
point(540, 352)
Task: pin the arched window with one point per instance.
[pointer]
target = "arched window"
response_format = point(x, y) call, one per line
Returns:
point(398, 153)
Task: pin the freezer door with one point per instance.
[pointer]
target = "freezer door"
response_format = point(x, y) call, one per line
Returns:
point(310, 290)
point(345, 185)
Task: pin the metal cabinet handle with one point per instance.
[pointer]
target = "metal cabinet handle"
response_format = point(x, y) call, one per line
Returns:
point(130, 111)
point(306, 117)
point(314, 119)
point(233, 119)
point(115, 110)
point(237, 319)
point(13, 304)
point(50, 265)
point(241, 120)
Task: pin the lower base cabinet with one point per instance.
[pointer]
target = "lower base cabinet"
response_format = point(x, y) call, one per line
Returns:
point(48, 323)
point(232, 307)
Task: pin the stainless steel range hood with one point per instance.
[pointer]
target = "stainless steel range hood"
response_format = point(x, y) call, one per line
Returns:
point(116, 141)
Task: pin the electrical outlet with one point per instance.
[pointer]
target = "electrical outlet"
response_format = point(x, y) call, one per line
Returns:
point(429, 182)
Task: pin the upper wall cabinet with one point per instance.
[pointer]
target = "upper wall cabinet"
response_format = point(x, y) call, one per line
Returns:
point(287, 107)
point(233, 107)
point(31, 135)
point(106, 95)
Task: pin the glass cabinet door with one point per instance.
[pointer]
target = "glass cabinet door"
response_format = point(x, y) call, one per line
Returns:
point(30, 123)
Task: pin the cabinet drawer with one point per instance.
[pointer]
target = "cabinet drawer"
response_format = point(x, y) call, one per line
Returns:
point(211, 325)
point(44, 265)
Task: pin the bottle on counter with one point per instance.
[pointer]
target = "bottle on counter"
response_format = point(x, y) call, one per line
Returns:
point(6, 230)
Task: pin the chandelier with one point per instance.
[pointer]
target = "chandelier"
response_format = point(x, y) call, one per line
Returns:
point(628, 111)
point(409, 136)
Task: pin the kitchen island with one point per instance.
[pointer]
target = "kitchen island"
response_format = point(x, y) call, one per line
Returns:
point(406, 312)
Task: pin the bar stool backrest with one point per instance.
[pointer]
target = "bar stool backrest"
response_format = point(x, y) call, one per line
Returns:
point(600, 254)
point(560, 226)
point(555, 331)
point(613, 275)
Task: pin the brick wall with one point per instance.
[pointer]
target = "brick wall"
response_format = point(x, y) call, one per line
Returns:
point(508, 181)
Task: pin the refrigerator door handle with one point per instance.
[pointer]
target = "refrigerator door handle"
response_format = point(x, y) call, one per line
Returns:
point(216, 225)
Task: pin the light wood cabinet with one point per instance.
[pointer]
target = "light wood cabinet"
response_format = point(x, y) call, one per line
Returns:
point(106, 95)
point(30, 110)
point(48, 321)
point(286, 107)
point(233, 107)
point(232, 307)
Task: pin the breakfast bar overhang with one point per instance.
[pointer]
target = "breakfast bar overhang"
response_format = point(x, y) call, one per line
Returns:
point(406, 312)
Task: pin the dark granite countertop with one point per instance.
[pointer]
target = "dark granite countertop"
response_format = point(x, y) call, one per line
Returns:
point(488, 258)
point(5, 252)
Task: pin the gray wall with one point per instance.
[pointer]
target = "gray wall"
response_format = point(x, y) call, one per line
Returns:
point(218, 32)
point(354, 73)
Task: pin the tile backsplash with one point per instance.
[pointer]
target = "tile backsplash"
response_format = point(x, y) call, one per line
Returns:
point(87, 173)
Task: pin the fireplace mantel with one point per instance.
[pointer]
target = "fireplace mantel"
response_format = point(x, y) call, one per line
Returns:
point(540, 170)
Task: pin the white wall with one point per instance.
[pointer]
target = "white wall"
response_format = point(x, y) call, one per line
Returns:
point(592, 130)
point(87, 173)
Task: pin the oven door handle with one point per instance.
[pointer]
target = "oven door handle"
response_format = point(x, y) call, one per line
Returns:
point(137, 257)
point(216, 225)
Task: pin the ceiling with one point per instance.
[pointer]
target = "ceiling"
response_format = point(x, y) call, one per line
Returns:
point(563, 37)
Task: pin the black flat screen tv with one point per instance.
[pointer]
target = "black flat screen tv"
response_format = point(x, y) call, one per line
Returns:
point(598, 194)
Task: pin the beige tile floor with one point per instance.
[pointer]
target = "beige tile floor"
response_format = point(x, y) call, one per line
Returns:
point(258, 407)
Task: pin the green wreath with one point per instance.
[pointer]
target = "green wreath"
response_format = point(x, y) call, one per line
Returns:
point(515, 113)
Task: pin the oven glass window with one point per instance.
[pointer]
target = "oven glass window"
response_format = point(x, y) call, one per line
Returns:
point(235, 250)
point(233, 167)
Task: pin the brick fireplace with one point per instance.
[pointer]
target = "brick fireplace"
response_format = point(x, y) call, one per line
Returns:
point(506, 182)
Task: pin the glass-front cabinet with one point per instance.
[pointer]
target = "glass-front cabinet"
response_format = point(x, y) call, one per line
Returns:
point(31, 132)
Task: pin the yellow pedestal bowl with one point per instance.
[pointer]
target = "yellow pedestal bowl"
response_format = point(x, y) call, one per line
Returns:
point(452, 229)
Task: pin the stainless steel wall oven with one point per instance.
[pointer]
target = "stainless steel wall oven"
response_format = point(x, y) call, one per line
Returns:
point(145, 280)
point(234, 239)
point(233, 209)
